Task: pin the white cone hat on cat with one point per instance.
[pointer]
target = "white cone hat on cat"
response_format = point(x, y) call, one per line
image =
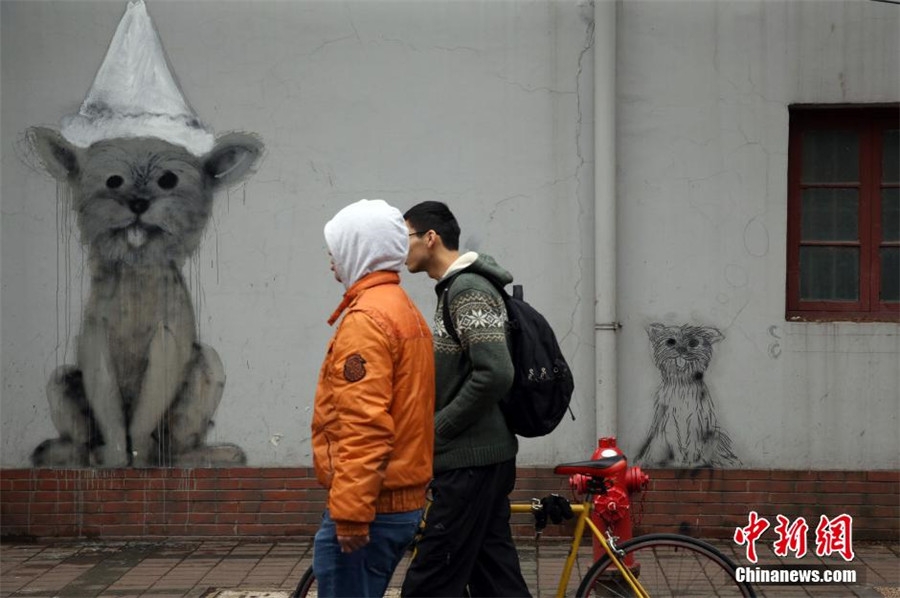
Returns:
point(135, 95)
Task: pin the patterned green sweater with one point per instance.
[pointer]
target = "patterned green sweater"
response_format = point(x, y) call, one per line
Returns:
point(473, 375)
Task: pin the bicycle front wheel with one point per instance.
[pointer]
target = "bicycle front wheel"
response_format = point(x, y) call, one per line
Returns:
point(307, 586)
point(665, 565)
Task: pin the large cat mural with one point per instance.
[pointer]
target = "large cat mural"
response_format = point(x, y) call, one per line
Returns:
point(142, 170)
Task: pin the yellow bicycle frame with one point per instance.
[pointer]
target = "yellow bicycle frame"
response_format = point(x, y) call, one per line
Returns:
point(583, 511)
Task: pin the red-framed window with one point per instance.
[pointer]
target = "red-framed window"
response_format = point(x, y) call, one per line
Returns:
point(844, 213)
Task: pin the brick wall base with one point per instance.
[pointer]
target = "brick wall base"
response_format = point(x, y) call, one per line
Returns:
point(282, 502)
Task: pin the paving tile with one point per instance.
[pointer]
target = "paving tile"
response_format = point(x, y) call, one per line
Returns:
point(194, 569)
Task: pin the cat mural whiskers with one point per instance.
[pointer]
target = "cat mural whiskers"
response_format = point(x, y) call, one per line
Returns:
point(144, 389)
point(685, 430)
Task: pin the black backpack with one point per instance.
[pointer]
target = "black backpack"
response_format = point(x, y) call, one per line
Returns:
point(543, 383)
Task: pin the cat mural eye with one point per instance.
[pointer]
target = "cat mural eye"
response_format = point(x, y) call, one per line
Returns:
point(168, 180)
point(671, 342)
point(693, 343)
point(114, 182)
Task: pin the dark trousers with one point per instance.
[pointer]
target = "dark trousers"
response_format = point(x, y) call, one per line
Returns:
point(466, 540)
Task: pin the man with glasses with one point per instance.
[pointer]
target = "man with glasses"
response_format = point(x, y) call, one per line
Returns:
point(466, 544)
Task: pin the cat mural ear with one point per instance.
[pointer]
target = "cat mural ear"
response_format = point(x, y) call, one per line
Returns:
point(712, 335)
point(233, 158)
point(654, 330)
point(59, 157)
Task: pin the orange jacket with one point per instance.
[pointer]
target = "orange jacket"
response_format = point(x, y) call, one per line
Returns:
point(373, 425)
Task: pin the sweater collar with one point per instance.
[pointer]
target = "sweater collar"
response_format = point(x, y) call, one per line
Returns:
point(366, 282)
point(461, 263)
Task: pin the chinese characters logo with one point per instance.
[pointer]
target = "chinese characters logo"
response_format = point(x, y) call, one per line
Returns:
point(832, 536)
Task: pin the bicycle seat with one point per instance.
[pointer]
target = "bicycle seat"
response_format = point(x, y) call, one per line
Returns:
point(605, 467)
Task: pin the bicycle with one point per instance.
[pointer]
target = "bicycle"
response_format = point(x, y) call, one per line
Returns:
point(651, 565)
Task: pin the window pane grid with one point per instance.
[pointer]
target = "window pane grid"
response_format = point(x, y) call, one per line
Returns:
point(844, 248)
point(890, 274)
point(829, 215)
point(830, 155)
point(890, 214)
point(829, 274)
point(890, 161)
point(839, 185)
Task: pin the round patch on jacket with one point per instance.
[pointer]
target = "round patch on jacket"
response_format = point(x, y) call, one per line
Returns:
point(355, 368)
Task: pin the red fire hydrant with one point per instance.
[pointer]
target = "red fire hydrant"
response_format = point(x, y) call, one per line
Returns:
point(612, 510)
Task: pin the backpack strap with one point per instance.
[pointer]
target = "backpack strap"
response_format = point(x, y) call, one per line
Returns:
point(445, 312)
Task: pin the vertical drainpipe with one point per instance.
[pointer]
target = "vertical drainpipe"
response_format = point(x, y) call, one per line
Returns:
point(605, 322)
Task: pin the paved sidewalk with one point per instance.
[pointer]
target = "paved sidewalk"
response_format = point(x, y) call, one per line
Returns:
point(244, 569)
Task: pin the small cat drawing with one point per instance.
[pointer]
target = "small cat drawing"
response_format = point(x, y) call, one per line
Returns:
point(685, 430)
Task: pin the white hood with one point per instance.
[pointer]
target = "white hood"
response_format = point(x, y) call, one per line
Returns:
point(365, 237)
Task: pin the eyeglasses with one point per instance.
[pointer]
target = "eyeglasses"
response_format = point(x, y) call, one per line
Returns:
point(418, 234)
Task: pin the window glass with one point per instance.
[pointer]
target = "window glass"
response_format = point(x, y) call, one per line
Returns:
point(830, 156)
point(890, 274)
point(830, 215)
point(890, 214)
point(890, 159)
point(829, 274)
point(843, 211)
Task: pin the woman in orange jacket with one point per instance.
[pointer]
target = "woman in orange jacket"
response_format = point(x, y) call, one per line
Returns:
point(373, 425)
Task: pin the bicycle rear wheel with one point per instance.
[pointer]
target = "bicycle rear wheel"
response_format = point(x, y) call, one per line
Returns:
point(307, 586)
point(666, 565)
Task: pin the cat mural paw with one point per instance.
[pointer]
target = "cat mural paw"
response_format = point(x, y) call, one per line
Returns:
point(60, 453)
point(177, 439)
point(70, 414)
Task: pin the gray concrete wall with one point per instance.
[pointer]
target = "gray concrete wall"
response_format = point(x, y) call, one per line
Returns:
point(487, 106)
point(483, 105)
point(704, 89)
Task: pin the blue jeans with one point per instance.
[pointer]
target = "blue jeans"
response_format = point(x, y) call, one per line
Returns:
point(367, 571)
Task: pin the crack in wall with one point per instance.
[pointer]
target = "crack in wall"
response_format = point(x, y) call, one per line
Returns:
point(415, 48)
point(527, 195)
point(352, 24)
point(328, 42)
point(530, 89)
point(409, 190)
point(588, 46)
point(493, 212)
point(458, 49)
point(392, 40)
